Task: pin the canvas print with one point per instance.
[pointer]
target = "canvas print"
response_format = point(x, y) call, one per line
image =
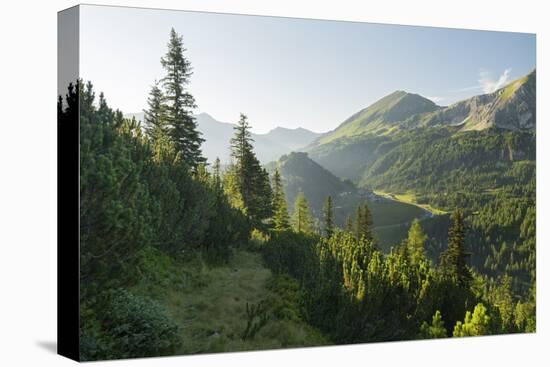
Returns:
point(251, 183)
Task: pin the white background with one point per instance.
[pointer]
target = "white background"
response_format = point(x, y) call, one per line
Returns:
point(28, 50)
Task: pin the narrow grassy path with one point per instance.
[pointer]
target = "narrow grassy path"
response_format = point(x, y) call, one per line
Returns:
point(209, 306)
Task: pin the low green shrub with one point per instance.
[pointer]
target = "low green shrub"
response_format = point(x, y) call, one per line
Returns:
point(139, 327)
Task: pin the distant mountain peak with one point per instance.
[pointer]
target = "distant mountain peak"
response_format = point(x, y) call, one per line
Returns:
point(406, 104)
point(382, 116)
point(281, 129)
point(268, 147)
point(204, 114)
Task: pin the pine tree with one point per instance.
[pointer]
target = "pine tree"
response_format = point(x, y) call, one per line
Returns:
point(476, 323)
point(358, 222)
point(348, 227)
point(363, 222)
point(242, 154)
point(328, 216)
point(434, 330)
point(280, 212)
point(216, 174)
point(454, 259)
point(232, 188)
point(415, 243)
point(263, 196)
point(180, 103)
point(251, 180)
point(505, 304)
point(155, 115)
point(301, 217)
point(525, 313)
point(367, 223)
point(201, 174)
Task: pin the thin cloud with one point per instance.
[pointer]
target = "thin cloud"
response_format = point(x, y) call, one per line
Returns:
point(467, 89)
point(436, 99)
point(489, 85)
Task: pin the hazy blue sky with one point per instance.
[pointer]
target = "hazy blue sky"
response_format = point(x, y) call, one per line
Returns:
point(293, 72)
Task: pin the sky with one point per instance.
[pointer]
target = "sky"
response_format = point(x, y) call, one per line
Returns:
point(293, 72)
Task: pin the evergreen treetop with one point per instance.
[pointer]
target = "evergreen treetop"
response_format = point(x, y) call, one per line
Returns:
point(155, 115)
point(328, 216)
point(179, 103)
point(251, 181)
point(280, 212)
point(301, 217)
point(454, 259)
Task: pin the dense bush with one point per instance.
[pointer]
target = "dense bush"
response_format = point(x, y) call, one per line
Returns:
point(139, 327)
point(129, 326)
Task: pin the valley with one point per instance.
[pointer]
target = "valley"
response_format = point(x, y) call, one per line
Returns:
point(410, 198)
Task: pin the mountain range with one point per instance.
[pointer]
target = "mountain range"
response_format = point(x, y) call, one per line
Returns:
point(511, 107)
point(268, 147)
point(366, 139)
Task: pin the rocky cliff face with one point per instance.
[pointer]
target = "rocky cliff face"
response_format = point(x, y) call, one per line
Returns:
point(512, 107)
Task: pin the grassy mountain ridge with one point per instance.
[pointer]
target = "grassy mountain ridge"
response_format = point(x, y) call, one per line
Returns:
point(381, 117)
point(511, 107)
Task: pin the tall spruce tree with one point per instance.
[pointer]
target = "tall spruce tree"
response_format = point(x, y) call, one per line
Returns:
point(454, 259)
point(280, 212)
point(328, 216)
point(250, 179)
point(242, 154)
point(180, 103)
point(301, 218)
point(263, 196)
